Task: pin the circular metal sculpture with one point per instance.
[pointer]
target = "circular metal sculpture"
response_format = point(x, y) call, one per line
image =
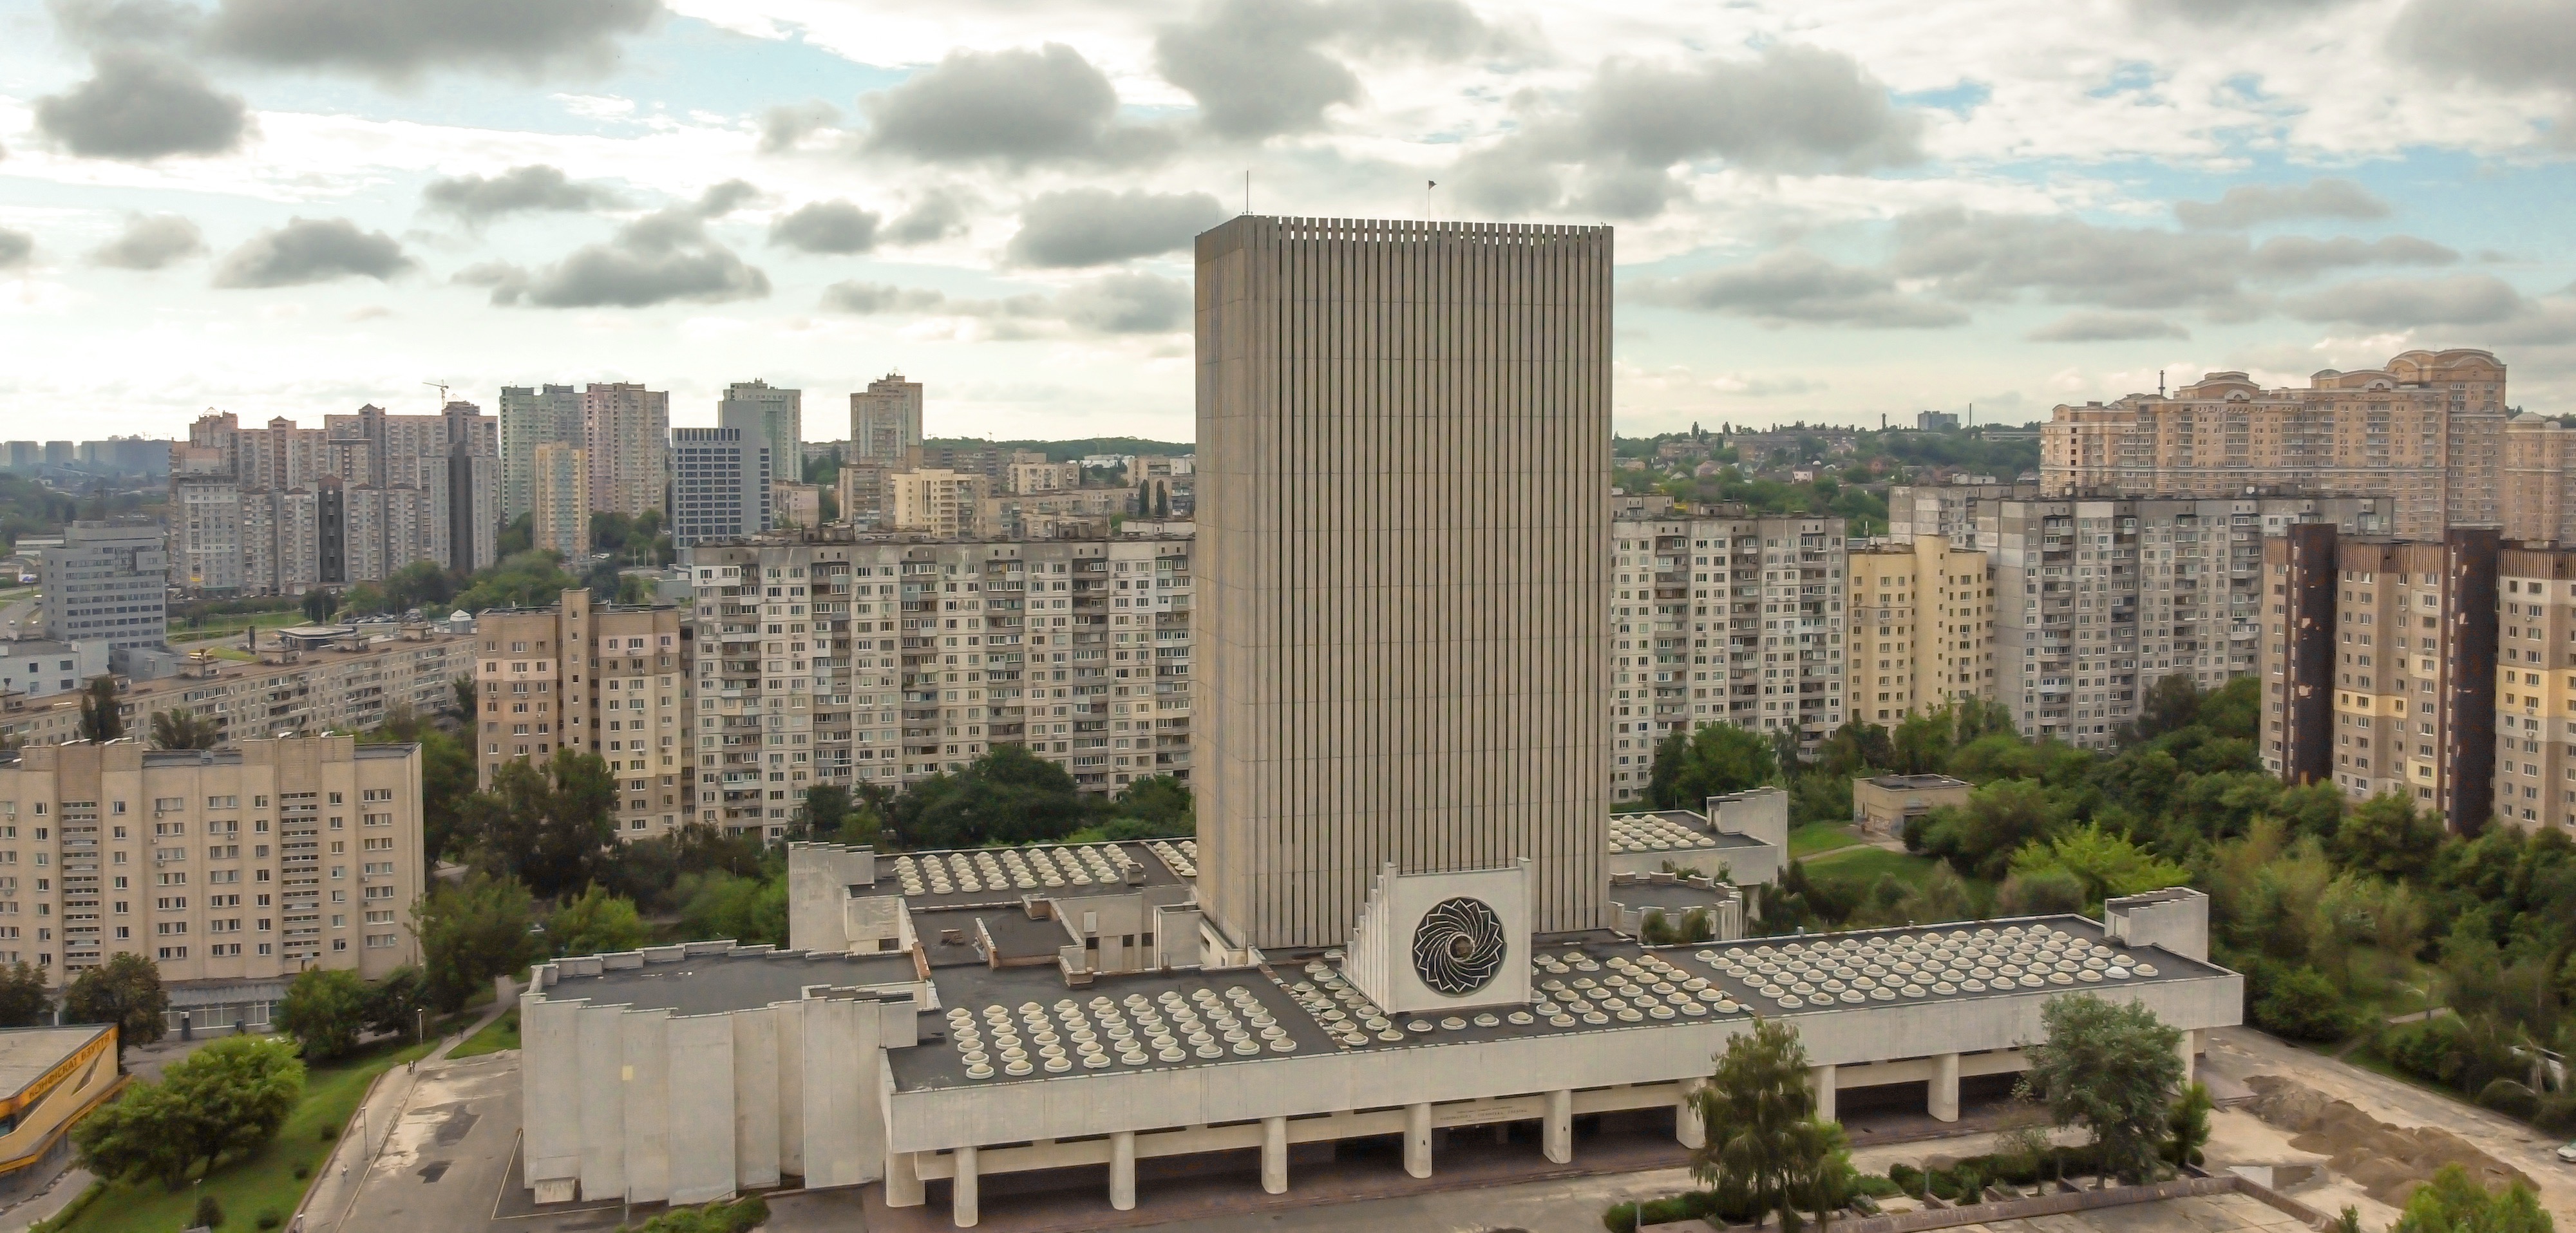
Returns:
point(1458, 947)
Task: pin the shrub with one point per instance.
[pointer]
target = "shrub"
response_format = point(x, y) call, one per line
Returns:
point(210, 1214)
point(2509, 1098)
point(270, 1218)
point(2301, 1003)
point(329, 1133)
point(303, 1171)
point(1907, 1178)
point(2557, 1113)
point(1877, 1187)
point(736, 1217)
point(1620, 1218)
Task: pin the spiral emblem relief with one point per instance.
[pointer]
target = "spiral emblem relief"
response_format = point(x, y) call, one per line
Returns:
point(1458, 947)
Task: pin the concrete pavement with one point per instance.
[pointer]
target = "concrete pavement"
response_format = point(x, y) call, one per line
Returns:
point(378, 1122)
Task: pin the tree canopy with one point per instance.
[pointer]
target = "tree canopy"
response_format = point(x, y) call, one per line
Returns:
point(2112, 1068)
point(469, 933)
point(1008, 795)
point(126, 991)
point(1714, 760)
point(227, 1098)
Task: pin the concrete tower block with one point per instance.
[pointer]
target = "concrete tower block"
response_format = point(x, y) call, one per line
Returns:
point(2175, 919)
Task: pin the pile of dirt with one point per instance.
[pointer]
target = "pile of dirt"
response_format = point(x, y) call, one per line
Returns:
point(2387, 1162)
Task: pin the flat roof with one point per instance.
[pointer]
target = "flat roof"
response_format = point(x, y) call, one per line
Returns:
point(999, 877)
point(1918, 781)
point(1573, 980)
point(26, 1054)
point(736, 980)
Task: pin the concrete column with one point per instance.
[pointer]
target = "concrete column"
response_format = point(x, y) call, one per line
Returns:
point(1417, 1140)
point(2190, 1050)
point(1122, 1170)
point(1944, 1102)
point(1821, 1079)
point(1274, 1155)
point(961, 1190)
point(903, 1181)
point(1559, 1134)
point(1687, 1125)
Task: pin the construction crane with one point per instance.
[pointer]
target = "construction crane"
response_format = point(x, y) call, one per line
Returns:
point(441, 387)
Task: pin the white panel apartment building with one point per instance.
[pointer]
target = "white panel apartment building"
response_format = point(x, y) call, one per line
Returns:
point(2098, 598)
point(829, 657)
point(1722, 618)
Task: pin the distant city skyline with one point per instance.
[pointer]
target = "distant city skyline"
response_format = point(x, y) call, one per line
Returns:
point(1828, 211)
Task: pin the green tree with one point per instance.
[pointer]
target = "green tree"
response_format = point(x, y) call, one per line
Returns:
point(227, 1098)
point(24, 1000)
point(1160, 801)
point(394, 1003)
point(2105, 864)
point(1008, 795)
point(100, 720)
point(324, 1010)
point(469, 933)
point(1998, 820)
point(550, 828)
point(319, 604)
point(2171, 704)
point(748, 910)
point(1715, 760)
point(181, 728)
point(825, 808)
point(1761, 1150)
point(2453, 1202)
point(421, 584)
point(2385, 835)
point(516, 536)
point(463, 700)
point(2112, 1069)
point(596, 923)
point(2188, 1127)
point(126, 991)
point(1922, 743)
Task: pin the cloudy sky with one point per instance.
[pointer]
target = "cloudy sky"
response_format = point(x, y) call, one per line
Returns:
point(1826, 209)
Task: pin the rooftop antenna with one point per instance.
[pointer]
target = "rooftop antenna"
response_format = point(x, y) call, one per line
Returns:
point(1247, 190)
point(2160, 383)
point(1972, 415)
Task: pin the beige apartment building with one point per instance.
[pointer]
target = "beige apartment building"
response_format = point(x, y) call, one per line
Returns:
point(944, 503)
point(1721, 616)
point(2539, 498)
point(2427, 430)
point(2380, 669)
point(330, 679)
point(626, 433)
point(606, 679)
point(233, 867)
point(2535, 687)
point(1922, 625)
point(831, 656)
point(560, 519)
point(885, 422)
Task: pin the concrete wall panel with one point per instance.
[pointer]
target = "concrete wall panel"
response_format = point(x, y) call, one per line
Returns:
point(550, 1087)
point(756, 1096)
point(603, 1101)
point(702, 1125)
point(787, 1022)
point(648, 1104)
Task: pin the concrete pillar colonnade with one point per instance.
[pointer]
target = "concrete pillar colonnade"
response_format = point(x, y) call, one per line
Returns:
point(1688, 1127)
point(1274, 1155)
point(903, 1186)
point(1122, 1170)
point(963, 1211)
point(1558, 1139)
point(1943, 1102)
point(1821, 1080)
point(1417, 1140)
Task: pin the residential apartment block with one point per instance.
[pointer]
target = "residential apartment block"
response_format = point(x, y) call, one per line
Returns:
point(559, 518)
point(2379, 669)
point(2427, 431)
point(768, 416)
point(885, 422)
point(1722, 616)
point(2535, 690)
point(236, 867)
point(2096, 599)
point(533, 416)
point(346, 679)
point(277, 510)
point(2538, 503)
point(936, 502)
point(626, 431)
point(1921, 617)
point(602, 678)
point(32, 668)
point(835, 657)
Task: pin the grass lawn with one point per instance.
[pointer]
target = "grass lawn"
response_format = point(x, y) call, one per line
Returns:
point(1864, 865)
point(1814, 837)
point(501, 1033)
point(266, 1180)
